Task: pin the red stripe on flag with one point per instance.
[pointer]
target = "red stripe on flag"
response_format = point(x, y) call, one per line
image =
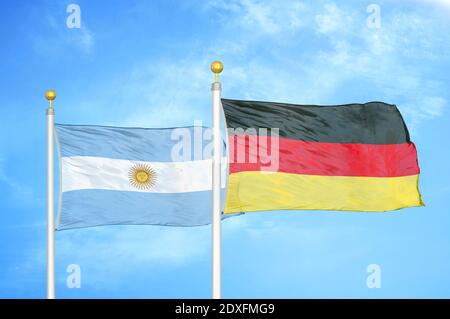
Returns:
point(254, 153)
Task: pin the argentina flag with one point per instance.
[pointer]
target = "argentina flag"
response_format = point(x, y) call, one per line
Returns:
point(134, 176)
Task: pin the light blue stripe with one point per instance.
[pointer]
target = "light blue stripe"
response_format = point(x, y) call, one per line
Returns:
point(87, 208)
point(139, 144)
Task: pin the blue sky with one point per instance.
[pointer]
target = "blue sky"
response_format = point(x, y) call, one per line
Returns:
point(146, 63)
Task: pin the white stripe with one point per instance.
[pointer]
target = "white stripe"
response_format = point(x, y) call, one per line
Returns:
point(87, 172)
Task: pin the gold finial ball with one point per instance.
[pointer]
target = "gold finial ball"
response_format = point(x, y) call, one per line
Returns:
point(50, 95)
point(216, 67)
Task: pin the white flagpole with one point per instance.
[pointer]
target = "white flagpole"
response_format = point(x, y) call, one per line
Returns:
point(216, 68)
point(50, 95)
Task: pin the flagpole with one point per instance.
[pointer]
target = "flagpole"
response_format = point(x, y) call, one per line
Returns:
point(216, 88)
point(50, 95)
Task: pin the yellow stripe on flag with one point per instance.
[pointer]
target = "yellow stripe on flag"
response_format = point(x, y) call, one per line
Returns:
point(259, 191)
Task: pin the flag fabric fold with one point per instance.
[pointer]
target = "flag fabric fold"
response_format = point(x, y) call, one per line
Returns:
point(353, 157)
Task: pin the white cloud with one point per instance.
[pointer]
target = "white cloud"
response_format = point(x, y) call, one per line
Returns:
point(84, 40)
point(434, 106)
point(443, 3)
point(332, 20)
point(423, 108)
point(20, 192)
point(169, 94)
point(59, 38)
point(262, 17)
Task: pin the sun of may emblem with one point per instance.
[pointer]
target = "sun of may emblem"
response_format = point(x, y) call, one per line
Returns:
point(142, 176)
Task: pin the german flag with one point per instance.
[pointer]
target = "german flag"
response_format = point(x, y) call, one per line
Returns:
point(353, 157)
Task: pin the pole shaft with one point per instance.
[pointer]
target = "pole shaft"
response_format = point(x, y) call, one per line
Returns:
point(216, 207)
point(50, 206)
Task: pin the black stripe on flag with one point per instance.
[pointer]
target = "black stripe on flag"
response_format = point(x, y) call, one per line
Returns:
point(369, 123)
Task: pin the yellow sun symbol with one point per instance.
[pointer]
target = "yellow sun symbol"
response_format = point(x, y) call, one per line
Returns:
point(142, 176)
